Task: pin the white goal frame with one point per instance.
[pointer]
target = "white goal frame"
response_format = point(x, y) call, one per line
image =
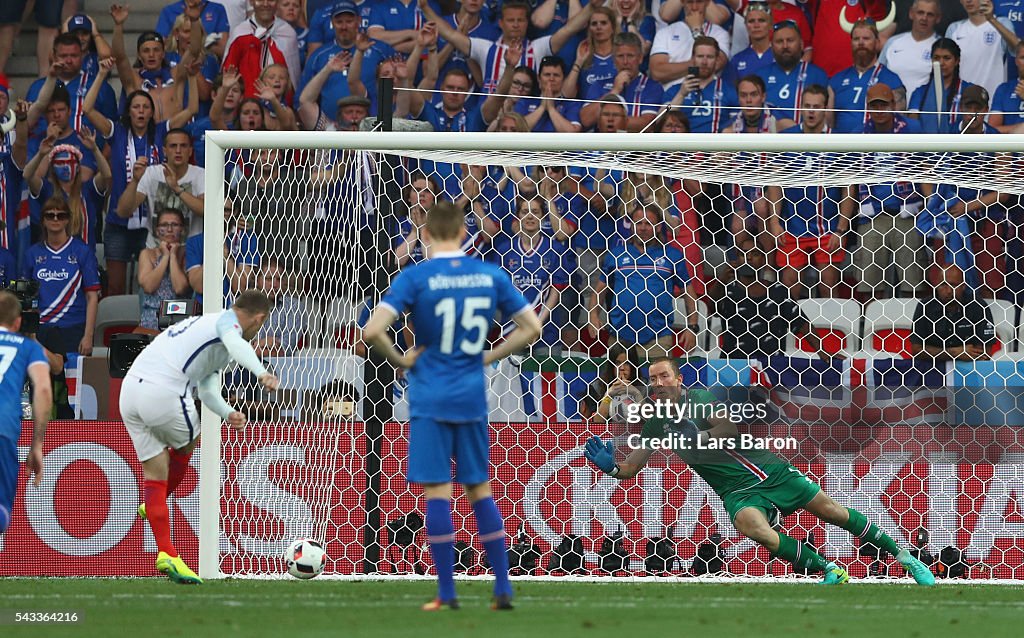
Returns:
point(218, 142)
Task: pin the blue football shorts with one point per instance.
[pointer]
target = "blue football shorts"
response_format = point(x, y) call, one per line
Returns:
point(433, 444)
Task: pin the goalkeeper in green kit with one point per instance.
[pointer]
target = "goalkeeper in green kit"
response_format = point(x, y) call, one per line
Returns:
point(755, 486)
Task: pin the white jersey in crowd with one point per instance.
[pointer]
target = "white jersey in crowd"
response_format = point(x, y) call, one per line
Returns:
point(909, 59)
point(676, 41)
point(490, 56)
point(982, 52)
point(185, 354)
point(238, 11)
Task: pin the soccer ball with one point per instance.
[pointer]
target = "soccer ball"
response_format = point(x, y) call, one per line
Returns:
point(305, 558)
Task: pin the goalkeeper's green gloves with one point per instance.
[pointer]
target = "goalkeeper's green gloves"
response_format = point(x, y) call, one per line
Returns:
point(602, 455)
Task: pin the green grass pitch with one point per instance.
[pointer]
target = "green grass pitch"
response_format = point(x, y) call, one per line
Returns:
point(293, 609)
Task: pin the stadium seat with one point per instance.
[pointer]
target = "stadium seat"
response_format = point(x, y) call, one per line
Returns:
point(705, 347)
point(311, 369)
point(887, 327)
point(836, 321)
point(1004, 316)
point(715, 328)
point(117, 314)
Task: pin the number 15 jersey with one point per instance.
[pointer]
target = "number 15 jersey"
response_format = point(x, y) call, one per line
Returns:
point(452, 300)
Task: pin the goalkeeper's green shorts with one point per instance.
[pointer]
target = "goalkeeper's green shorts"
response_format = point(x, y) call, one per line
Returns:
point(787, 493)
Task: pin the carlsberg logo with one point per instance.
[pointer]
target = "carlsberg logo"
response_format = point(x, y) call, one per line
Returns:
point(52, 275)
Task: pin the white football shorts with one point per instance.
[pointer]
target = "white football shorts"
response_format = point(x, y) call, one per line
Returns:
point(156, 417)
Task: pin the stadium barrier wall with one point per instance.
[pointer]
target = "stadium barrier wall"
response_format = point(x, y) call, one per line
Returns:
point(281, 484)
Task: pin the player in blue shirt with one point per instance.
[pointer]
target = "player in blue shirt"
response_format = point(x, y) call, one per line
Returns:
point(959, 215)
point(452, 301)
point(453, 114)
point(19, 357)
point(321, 31)
point(638, 91)
point(1008, 101)
point(67, 50)
point(758, 20)
point(643, 275)
point(549, 113)
point(537, 265)
point(809, 222)
point(345, 22)
point(396, 22)
point(788, 76)
point(707, 100)
point(848, 88)
point(212, 15)
point(69, 282)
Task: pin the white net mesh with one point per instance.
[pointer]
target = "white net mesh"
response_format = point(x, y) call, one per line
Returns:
point(811, 284)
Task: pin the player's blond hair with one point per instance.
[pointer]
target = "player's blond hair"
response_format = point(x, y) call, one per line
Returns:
point(445, 221)
point(253, 302)
point(10, 308)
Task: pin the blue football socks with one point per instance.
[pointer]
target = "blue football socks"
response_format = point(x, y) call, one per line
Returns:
point(441, 536)
point(491, 529)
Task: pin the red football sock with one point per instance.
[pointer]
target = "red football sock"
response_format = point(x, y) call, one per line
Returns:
point(157, 515)
point(176, 470)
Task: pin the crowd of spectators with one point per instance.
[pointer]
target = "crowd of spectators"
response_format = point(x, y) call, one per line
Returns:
point(611, 257)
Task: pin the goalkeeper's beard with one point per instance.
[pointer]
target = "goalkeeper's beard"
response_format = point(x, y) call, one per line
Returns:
point(666, 393)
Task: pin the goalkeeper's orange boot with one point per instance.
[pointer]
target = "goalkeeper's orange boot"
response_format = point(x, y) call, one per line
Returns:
point(441, 605)
point(502, 603)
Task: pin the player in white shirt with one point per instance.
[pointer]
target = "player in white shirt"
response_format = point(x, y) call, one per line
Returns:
point(159, 411)
point(985, 40)
point(176, 184)
point(909, 55)
point(672, 49)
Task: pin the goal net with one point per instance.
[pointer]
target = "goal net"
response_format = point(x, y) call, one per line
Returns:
point(853, 302)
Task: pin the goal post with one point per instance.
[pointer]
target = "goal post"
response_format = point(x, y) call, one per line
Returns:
point(210, 422)
point(298, 469)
